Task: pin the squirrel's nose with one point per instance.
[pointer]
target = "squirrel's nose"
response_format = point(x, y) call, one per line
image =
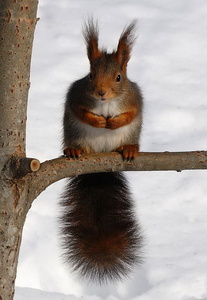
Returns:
point(101, 93)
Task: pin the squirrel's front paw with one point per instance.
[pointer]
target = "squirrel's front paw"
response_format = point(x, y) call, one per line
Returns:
point(95, 121)
point(114, 123)
point(74, 152)
point(128, 152)
point(99, 122)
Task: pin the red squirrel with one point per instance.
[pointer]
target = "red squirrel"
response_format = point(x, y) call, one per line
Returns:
point(103, 112)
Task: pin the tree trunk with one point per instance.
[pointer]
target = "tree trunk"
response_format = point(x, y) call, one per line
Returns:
point(17, 24)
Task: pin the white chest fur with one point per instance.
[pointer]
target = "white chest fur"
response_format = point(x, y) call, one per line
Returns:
point(105, 140)
point(107, 109)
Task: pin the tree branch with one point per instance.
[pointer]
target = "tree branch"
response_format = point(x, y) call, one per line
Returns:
point(56, 169)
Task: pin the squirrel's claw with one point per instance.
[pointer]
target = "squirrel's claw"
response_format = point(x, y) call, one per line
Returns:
point(74, 152)
point(128, 152)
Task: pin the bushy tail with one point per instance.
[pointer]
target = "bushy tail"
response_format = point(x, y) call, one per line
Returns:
point(101, 238)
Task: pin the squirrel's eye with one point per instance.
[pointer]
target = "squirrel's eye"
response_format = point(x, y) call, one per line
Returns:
point(118, 78)
point(90, 76)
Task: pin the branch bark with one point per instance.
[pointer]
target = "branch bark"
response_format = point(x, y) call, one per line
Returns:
point(56, 169)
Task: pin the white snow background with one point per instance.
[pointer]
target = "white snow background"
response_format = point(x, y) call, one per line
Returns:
point(169, 62)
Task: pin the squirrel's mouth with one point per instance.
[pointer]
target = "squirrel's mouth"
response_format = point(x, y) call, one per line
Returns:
point(102, 98)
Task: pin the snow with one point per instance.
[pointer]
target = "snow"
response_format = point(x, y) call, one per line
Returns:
point(169, 63)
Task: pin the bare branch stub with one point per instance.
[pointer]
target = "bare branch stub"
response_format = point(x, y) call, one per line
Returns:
point(19, 167)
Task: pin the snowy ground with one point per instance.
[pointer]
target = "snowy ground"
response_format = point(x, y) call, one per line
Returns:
point(170, 64)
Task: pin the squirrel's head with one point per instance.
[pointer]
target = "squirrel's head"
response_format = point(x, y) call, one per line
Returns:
point(107, 75)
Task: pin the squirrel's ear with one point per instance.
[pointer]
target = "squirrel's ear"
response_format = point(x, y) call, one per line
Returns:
point(125, 45)
point(90, 33)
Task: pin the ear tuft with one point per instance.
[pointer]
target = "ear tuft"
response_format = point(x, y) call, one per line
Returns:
point(90, 33)
point(125, 44)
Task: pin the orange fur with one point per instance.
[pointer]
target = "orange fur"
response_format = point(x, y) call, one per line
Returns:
point(121, 120)
point(89, 118)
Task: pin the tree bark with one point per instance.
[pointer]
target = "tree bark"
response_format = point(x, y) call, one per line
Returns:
point(17, 24)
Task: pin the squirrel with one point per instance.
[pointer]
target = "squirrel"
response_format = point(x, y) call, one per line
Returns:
point(103, 112)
